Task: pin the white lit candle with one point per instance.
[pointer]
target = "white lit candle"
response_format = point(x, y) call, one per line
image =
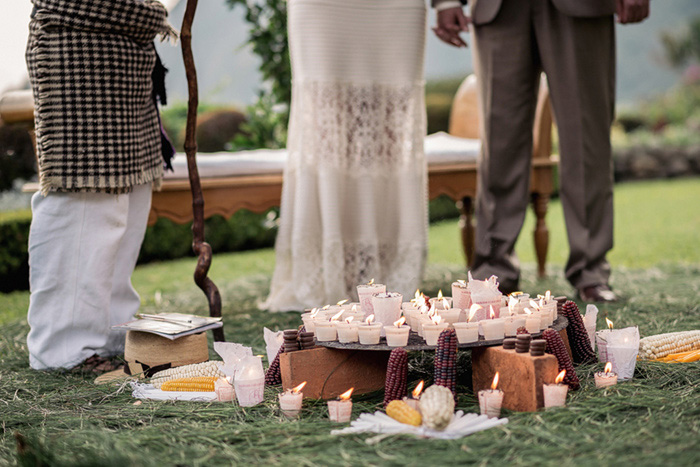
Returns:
point(290, 401)
point(397, 333)
point(224, 390)
point(309, 320)
point(369, 332)
point(605, 378)
point(467, 332)
point(490, 400)
point(340, 410)
point(461, 298)
point(532, 321)
point(450, 316)
point(325, 331)
point(347, 330)
point(440, 302)
point(555, 394)
point(414, 400)
point(432, 330)
point(494, 329)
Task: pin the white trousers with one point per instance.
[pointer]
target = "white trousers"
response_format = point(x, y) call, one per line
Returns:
point(83, 249)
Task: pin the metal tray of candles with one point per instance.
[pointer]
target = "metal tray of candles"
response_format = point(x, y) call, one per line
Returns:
point(415, 342)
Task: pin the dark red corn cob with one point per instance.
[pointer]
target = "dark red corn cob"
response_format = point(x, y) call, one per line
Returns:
point(396, 385)
point(580, 344)
point(556, 347)
point(446, 361)
point(273, 375)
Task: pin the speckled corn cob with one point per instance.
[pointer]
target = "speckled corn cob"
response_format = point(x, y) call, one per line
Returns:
point(556, 347)
point(273, 375)
point(445, 361)
point(579, 341)
point(396, 385)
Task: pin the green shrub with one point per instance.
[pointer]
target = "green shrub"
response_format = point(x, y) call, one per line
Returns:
point(14, 267)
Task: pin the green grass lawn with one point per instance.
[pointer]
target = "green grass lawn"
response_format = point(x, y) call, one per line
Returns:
point(653, 419)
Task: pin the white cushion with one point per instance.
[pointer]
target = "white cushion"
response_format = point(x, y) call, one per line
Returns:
point(440, 148)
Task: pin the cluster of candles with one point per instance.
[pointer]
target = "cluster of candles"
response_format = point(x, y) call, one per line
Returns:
point(339, 410)
point(384, 314)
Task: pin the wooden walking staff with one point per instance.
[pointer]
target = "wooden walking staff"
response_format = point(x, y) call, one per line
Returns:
point(200, 247)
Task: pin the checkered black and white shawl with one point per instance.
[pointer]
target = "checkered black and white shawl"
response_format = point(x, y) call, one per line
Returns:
point(90, 65)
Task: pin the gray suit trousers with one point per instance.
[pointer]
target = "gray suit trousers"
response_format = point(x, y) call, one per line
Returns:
point(577, 54)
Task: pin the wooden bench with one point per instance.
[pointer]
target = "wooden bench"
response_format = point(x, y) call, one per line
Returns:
point(259, 192)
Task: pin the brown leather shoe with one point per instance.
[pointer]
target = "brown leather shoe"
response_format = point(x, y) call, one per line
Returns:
point(597, 293)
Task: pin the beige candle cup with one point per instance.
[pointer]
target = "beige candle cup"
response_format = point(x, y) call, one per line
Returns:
point(325, 331)
point(387, 308)
point(461, 298)
point(450, 316)
point(423, 319)
point(490, 401)
point(368, 334)
point(412, 403)
point(397, 337)
point(340, 411)
point(290, 403)
point(532, 323)
point(544, 320)
point(224, 390)
point(431, 332)
point(347, 332)
point(511, 328)
point(467, 332)
point(308, 321)
point(554, 395)
point(440, 303)
point(365, 292)
point(603, 380)
point(494, 329)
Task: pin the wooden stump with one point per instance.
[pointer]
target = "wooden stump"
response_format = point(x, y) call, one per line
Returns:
point(521, 376)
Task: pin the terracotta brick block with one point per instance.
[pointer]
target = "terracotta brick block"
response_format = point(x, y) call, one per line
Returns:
point(330, 372)
point(521, 376)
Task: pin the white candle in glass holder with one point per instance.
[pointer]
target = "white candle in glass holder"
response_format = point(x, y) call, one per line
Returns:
point(432, 330)
point(290, 401)
point(397, 333)
point(347, 330)
point(365, 292)
point(340, 410)
point(555, 394)
point(369, 332)
point(490, 400)
point(466, 332)
point(387, 307)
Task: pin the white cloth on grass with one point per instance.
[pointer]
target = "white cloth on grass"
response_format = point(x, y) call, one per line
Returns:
point(354, 199)
point(82, 250)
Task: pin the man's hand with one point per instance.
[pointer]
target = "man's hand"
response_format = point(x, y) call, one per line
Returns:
point(450, 23)
point(632, 11)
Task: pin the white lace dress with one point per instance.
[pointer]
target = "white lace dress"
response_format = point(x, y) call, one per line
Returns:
point(354, 200)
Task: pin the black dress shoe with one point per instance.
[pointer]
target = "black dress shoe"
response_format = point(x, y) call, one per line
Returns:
point(597, 293)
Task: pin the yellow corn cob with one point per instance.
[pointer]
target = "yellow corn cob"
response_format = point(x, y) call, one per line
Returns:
point(198, 384)
point(684, 357)
point(209, 368)
point(662, 345)
point(402, 412)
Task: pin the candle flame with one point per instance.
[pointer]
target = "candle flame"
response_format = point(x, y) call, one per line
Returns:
point(349, 319)
point(346, 395)
point(494, 384)
point(610, 323)
point(369, 319)
point(371, 281)
point(418, 390)
point(534, 305)
point(560, 377)
point(436, 319)
point(432, 312)
point(298, 389)
point(342, 302)
point(326, 307)
point(398, 323)
point(314, 312)
point(439, 295)
point(515, 294)
point(547, 295)
point(337, 316)
point(473, 309)
point(424, 309)
point(416, 296)
point(528, 311)
point(492, 314)
point(445, 304)
point(608, 367)
point(462, 282)
point(512, 303)
point(354, 308)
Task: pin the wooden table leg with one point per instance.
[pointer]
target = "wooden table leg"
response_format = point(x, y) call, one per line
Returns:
point(466, 226)
point(540, 203)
